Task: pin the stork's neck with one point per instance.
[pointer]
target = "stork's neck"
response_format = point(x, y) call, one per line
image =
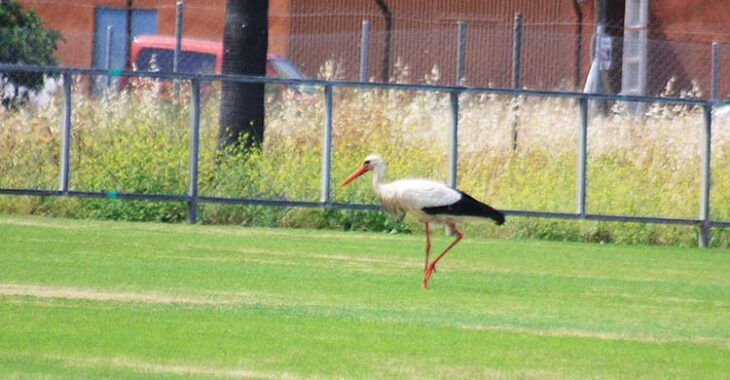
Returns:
point(378, 174)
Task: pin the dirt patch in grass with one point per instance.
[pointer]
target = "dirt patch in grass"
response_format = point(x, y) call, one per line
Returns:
point(102, 295)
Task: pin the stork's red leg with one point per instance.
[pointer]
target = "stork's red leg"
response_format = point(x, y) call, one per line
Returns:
point(432, 267)
point(428, 246)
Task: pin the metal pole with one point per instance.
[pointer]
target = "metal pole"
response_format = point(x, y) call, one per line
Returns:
point(108, 63)
point(516, 74)
point(517, 52)
point(129, 36)
point(453, 145)
point(582, 159)
point(193, 153)
point(327, 146)
point(460, 52)
point(454, 139)
point(178, 35)
point(715, 68)
point(65, 135)
point(178, 45)
point(364, 44)
point(704, 239)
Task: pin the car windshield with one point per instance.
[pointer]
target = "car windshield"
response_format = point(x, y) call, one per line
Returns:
point(284, 69)
point(150, 59)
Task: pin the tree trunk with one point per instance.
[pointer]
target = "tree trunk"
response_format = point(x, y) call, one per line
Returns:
point(388, 15)
point(245, 38)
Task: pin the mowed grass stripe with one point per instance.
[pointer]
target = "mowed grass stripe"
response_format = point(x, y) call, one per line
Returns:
point(20, 294)
point(268, 298)
point(661, 264)
point(265, 339)
point(146, 368)
point(99, 366)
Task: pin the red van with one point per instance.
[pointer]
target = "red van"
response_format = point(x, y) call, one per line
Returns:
point(156, 53)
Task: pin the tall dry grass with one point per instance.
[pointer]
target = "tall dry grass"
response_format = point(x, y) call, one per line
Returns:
point(137, 141)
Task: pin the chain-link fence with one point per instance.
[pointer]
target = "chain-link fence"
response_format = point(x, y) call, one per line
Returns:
point(549, 59)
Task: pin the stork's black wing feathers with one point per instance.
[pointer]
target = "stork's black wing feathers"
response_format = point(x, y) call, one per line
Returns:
point(467, 206)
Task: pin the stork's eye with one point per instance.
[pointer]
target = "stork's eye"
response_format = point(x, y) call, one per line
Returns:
point(367, 162)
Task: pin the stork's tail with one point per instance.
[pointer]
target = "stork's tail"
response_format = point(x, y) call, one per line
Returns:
point(488, 211)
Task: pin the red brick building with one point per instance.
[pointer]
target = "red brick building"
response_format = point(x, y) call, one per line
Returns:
point(556, 45)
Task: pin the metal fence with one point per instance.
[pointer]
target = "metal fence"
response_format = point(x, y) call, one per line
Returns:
point(193, 198)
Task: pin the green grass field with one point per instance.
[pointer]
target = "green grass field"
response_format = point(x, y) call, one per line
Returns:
point(83, 299)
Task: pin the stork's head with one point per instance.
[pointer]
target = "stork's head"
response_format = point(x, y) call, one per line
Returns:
point(371, 162)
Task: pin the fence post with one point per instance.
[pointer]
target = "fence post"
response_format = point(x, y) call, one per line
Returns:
point(460, 52)
point(704, 239)
point(582, 158)
point(453, 145)
point(108, 57)
point(454, 138)
point(517, 52)
point(715, 68)
point(364, 45)
point(193, 153)
point(178, 45)
point(65, 135)
point(516, 73)
point(178, 35)
point(327, 146)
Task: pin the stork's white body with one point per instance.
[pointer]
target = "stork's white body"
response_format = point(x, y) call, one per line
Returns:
point(427, 200)
point(413, 195)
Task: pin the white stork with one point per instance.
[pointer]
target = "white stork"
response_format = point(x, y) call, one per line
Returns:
point(429, 201)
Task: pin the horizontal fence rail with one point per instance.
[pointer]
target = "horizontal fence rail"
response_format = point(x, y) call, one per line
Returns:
point(192, 198)
point(361, 85)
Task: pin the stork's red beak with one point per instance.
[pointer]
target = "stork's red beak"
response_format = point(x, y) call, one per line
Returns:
point(360, 171)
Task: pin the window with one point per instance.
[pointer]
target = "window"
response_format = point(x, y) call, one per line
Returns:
point(150, 59)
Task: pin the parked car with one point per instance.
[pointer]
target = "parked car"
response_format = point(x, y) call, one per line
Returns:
point(156, 53)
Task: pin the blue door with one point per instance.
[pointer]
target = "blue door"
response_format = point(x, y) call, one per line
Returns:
point(110, 39)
